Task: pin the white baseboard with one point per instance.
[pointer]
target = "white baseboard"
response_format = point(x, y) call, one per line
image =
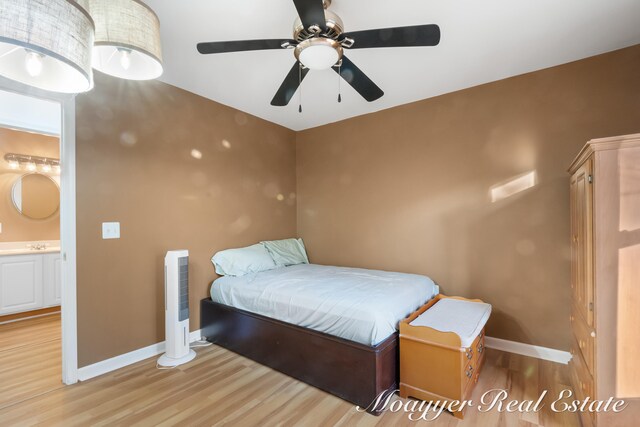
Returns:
point(127, 359)
point(135, 356)
point(530, 350)
point(30, 317)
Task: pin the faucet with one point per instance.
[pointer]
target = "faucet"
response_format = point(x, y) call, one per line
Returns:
point(37, 246)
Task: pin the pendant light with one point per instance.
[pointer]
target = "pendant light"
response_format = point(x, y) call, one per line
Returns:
point(47, 44)
point(127, 43)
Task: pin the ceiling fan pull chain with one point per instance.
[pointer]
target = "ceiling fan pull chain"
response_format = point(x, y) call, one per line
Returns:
point(300, 86)
point(339, 78)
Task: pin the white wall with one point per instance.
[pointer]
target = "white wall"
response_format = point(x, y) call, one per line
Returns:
point(24, 112)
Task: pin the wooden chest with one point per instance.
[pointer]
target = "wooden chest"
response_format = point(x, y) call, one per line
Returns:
point(434, 366)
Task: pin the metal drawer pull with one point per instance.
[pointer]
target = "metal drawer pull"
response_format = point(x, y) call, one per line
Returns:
point(469, 372)
point(593, 334)
point(469, 354)
point(480, 348)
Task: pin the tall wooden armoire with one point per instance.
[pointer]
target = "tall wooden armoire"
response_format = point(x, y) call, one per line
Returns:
point(605, 276)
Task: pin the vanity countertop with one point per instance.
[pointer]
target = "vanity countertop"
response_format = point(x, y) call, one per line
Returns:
point(26, 251)
point(29, 248)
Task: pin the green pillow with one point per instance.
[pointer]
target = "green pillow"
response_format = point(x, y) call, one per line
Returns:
point(241, 261)
point(287, 252)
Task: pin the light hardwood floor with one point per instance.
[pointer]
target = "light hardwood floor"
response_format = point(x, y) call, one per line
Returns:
point(222, 388)
point(30, 359)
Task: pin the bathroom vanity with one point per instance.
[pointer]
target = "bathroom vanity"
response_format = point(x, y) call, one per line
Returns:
point(30, 276)
point(30, 271)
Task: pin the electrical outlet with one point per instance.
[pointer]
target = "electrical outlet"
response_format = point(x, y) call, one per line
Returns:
point(110, 230)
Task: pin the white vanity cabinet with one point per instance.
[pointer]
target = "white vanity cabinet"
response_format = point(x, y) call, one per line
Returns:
point(52, 279)
point(29, 282)
point(21, 284)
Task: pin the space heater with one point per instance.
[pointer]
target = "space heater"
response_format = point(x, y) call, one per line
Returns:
point(176, 310)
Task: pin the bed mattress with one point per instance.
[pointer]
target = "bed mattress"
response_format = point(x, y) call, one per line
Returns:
point(359, 305)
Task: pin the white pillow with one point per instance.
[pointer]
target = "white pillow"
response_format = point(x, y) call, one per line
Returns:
point(287, 252)
point(242, 261)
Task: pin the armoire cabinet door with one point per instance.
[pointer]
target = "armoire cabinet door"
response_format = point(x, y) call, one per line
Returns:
point(573, 205)
point(581, 194)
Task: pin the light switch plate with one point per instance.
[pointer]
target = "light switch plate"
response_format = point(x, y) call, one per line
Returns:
point(110, 230)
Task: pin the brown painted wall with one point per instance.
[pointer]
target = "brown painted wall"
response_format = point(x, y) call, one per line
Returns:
point(407, 189)
point(15, 227)
point(134, 165)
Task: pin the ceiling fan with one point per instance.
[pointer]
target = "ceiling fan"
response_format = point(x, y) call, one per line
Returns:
point(319, 43)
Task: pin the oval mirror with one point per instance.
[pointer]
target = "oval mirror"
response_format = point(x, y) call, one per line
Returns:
point(36, 196)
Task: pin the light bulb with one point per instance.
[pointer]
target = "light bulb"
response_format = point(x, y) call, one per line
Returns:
point(33, 63)
point(31, 166)
point(57, 168)
point(46, 167)
point(125, 58)
point(13, 164)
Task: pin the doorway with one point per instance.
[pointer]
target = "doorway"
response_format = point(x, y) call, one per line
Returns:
point(35, 114)
point(30, 273)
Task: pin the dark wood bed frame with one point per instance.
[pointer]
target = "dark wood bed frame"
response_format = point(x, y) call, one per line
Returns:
point(352, 371)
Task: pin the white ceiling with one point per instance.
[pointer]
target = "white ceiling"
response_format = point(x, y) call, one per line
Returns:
point(482, 41)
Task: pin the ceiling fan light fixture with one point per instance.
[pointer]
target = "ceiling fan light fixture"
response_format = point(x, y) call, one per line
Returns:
point(320, 40)
point(47, 44)
point(319, 53)
point(127, 41)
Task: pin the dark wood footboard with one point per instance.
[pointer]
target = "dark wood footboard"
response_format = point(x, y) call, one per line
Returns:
point(352, 371)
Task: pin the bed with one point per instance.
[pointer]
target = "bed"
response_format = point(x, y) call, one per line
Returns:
point(332, 327)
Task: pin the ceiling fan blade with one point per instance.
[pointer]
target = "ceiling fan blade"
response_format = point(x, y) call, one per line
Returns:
point(311, 12)
point(242, 45)
point(418, 35)
point(359, 80)
point(289, 86)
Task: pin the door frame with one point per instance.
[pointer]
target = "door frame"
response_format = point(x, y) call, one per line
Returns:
point(67, 221)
